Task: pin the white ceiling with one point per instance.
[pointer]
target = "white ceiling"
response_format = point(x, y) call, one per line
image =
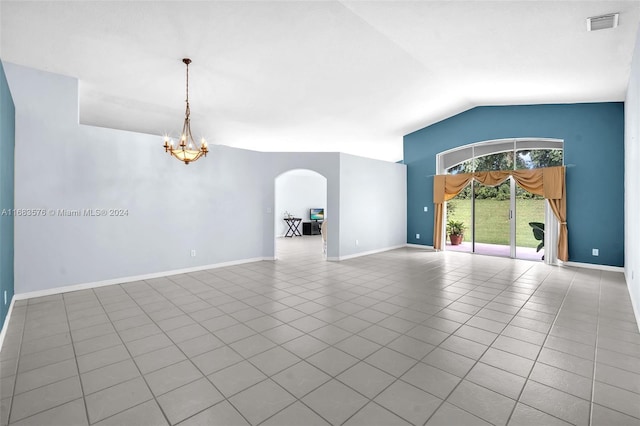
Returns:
point(318, 76)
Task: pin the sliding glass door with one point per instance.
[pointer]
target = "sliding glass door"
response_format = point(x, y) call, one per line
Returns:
point(492, 219)
point(508, 221)
point(504, 220)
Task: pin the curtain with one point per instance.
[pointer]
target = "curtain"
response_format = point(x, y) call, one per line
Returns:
point(445, 187)
point(556, 192)
point(548, 182)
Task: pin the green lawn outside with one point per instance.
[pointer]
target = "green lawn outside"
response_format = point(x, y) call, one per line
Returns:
point(493, 220)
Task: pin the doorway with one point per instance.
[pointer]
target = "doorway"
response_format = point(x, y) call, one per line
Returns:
point(492, 220)
point(498, 221)
point(299, 194)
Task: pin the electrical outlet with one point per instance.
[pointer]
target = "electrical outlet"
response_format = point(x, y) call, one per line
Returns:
point(417, 236)
point(426, 209)
point(193, 253)
point(595, 252)
point(5, 297)
point(268, 209)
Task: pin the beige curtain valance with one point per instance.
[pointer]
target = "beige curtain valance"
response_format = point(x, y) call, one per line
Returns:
point(548, 182)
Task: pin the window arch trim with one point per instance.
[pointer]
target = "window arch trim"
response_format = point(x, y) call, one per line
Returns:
point(452, 157)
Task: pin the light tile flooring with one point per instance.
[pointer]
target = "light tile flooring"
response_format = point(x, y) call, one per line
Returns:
point(403, 337)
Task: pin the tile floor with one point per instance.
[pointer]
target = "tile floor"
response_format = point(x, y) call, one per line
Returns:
point(403, 337)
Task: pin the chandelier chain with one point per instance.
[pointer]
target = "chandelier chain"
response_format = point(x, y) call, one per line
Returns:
point(188, 112)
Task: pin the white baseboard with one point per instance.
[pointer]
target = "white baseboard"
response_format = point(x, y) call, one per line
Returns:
point(5, 326)
point(85, 286)
point(419, 246)
point(592, 266)
point(634, 305)
point(366, 253)
point(636, 309)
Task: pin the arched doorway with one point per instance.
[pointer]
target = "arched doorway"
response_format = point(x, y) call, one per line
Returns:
point(300, 194)
point(504, 220)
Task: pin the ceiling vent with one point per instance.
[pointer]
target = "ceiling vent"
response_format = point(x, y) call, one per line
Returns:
point(602, 22)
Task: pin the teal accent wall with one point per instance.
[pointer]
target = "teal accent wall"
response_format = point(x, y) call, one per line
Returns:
point(593, 135)
point(7, 148)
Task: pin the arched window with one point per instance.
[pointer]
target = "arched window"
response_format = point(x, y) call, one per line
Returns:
point(501, 154)
point(500, 219)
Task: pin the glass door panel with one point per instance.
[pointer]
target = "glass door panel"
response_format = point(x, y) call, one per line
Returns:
point(492, 219)
point(529, 225)
point(459, 214)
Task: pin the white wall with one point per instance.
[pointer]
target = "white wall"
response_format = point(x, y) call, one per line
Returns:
point(373, 205)
point(632, 182)
point(298, 191)
point(209, 206)
point(221, 206)
point(325, 163)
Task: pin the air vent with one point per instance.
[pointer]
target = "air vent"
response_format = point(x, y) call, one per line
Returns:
point(602, 22)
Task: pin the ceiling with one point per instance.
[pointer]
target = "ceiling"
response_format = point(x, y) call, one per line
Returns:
point(318, 76)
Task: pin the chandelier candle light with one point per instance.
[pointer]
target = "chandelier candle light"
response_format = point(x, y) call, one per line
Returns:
point(186, 150)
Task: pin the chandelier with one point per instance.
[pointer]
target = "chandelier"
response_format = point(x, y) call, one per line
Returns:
point(186, 150)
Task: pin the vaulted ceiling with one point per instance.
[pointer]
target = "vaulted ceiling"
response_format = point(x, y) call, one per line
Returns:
point(349, 76)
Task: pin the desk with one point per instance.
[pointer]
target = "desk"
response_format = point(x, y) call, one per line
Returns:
point(311, 228)
point(294, 227)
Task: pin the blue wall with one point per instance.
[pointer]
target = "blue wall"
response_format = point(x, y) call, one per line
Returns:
point(593, 137)
point(7, 147)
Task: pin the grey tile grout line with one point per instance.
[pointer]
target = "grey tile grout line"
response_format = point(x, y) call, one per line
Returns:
point(610, 408)
point(309, 314)
point(75, 358)
point(22, 327)
point(191, 362)
point(108, 387)
point(476, 361)
point(394, 314)
point(134, 363)
point(66, 344)
point(332, 377)
point(15, 382)
point(490, 345)
point(335, 377)
point(436, 347)
point(143, 376)
point(595, 355)
point(15, 378)
point(540, 351)
point(404, 334)
point(268, 377)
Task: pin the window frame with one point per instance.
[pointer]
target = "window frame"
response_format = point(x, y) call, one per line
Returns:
point(459, 154)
